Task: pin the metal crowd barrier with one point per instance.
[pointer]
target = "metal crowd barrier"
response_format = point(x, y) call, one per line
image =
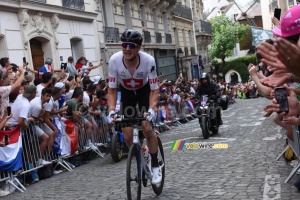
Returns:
point(295, 145)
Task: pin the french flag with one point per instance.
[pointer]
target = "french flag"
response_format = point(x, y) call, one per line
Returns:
point(190, 106)
point(11, 155)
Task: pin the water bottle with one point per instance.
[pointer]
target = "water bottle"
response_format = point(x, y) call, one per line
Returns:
point(135, 135)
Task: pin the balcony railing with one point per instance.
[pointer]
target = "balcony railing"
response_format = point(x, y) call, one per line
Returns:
point(73, 4)
point(183, 11)
point(168, 38)
point(147, 37)
point(158, 37)
point(111, 34)
point(39, 1)
point(186, 51)
point(203, 27)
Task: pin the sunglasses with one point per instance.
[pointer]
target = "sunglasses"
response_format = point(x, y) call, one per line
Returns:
point(129, 44)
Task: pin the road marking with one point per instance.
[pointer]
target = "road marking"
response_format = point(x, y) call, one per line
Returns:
point(254, 124)
point(272, 188)
point(275, 137)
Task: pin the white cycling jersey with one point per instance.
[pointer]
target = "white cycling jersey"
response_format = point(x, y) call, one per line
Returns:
point(146, 71)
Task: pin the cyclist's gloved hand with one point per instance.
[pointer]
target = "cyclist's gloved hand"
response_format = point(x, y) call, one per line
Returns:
point(110, 118)
point(151, 116)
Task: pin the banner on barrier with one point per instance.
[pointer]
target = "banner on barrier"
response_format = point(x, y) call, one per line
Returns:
point(11, 155)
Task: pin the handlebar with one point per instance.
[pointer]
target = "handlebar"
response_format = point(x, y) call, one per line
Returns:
point(134, 120)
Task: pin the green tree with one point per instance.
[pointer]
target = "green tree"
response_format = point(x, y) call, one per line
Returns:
point(224, 39)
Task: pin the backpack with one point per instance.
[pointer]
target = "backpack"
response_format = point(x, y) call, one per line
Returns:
point(45, 172)
point(289, 155)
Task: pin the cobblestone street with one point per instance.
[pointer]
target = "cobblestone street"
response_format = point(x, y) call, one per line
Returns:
point(246, 170)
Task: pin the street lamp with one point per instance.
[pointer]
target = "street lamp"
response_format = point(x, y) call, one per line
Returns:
point(180, 55)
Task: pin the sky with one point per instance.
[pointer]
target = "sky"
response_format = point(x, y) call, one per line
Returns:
point(210, 4)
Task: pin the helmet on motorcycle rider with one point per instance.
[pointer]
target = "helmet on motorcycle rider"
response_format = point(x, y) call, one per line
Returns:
point(205, 76)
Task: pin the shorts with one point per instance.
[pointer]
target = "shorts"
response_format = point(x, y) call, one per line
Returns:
point(43, 128)
point(130, 99)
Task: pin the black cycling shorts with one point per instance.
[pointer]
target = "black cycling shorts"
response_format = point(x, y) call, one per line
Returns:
point(130, 99)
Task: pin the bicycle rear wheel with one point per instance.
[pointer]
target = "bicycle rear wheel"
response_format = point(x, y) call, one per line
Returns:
point(133, 174)
point(157, 188)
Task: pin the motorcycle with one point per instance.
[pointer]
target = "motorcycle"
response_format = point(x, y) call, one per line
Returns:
point(207, 115)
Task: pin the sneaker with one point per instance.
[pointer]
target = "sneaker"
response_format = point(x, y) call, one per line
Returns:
point(35, 181)
point(57, 171)
point(157, 175)
point(100, 144)
point(43, 162)
point(93, 147)
point(3, 193)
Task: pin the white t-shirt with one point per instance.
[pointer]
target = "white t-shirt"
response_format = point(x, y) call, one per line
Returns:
point(35, 107)
point(144, 73)
point(39, 89)
point(176, 97)
point(69, 95)
point(86, 99)
point(51, 105)
point(20, 108)
point(4, 93)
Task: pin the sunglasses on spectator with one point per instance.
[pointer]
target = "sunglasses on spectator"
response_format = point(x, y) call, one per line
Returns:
point(129, 44)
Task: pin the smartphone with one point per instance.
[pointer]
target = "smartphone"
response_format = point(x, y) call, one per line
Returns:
point(277, 13)
point(61, 58)
point(24, 61)
point(63, 66)
point(6, 139)
point(8, 110)
point(281, 98)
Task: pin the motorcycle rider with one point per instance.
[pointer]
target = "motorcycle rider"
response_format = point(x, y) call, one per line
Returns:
point(209, 88)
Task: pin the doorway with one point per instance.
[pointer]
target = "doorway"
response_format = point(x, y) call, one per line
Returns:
point(234, 78)
point(77, 48)
point(37, 54)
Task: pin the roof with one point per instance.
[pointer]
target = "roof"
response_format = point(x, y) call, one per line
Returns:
point(254, 11)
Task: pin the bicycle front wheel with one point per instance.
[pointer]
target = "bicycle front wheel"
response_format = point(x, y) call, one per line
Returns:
point(157, 188)
point(133, 174)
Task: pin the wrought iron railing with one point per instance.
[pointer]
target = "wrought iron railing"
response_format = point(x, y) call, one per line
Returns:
point(73, 4)
point(111, 34)
point(147, 37)
point(183, 11)
point(186, 51)
point(168, 38)
point(40, 1)
point(158, 37)
point(203, 27)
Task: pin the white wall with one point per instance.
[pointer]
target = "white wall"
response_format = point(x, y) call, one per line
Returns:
point(12, 40)
point(69, 29)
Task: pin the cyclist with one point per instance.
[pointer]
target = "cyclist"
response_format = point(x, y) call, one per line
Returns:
point(136, 73)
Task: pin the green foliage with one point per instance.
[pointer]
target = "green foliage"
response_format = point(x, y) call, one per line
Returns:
point(225, 36)
point(240, 65)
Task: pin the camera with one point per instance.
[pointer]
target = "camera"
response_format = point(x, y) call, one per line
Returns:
point(63, 66)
